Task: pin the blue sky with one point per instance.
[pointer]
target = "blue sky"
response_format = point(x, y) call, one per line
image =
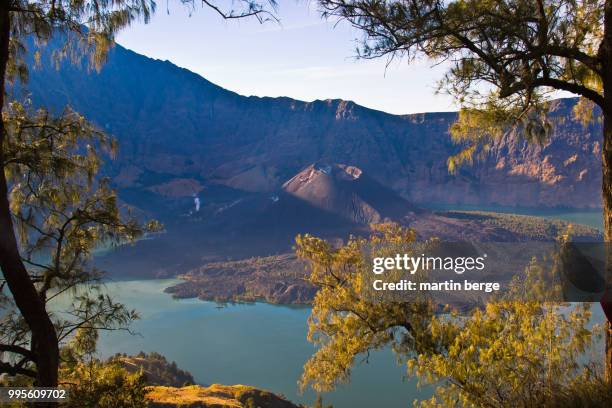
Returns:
point(303, 57)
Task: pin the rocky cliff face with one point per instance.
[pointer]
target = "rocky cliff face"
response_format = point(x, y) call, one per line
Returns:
point(563, 171)
point(179, 133)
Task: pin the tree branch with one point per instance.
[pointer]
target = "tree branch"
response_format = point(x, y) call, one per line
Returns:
point(10, 348)
point(556, 84)
point(6, 368)
point(253, 12)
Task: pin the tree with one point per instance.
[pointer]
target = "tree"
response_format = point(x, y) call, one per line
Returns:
point(344, 323)
point(514, 354)
point(96, 384)
point(506, 58)
point(517, 351)
point(62, 212)
point(87, 30)
point(43, 19)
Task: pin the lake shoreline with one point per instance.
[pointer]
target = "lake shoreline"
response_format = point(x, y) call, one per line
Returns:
point(230, 345)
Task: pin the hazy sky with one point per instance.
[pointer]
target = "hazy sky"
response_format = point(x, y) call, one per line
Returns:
point(303, 57)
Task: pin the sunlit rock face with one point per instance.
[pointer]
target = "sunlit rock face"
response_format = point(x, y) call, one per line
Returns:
point(173, 124)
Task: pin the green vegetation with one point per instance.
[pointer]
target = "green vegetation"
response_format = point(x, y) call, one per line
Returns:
point(156, 369)
point(140, 381)
point(93, 383)
point(274, 279)
point(506, 60)
point(283, 279)
point(62, 211)
point(47, 185)
point(535, 228)
point(507, 354)
point(54, 209)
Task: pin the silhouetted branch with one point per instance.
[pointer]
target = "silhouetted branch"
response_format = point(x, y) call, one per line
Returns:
point(253, 9)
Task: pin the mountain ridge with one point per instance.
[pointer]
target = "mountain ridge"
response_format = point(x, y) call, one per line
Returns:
point(172, 123)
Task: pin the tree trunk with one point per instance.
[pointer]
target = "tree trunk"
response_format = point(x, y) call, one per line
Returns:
point(607, 214)
point(605, 54)
point(30, 305)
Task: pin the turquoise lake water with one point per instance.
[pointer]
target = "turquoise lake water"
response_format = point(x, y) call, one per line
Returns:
point(260, 344)
point(255, 344)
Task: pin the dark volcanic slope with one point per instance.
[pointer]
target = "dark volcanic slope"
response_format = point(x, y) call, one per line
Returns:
point(178, 132)
point(348, 192)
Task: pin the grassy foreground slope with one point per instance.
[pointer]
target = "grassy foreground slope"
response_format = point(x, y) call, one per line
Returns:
point(215, 396)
